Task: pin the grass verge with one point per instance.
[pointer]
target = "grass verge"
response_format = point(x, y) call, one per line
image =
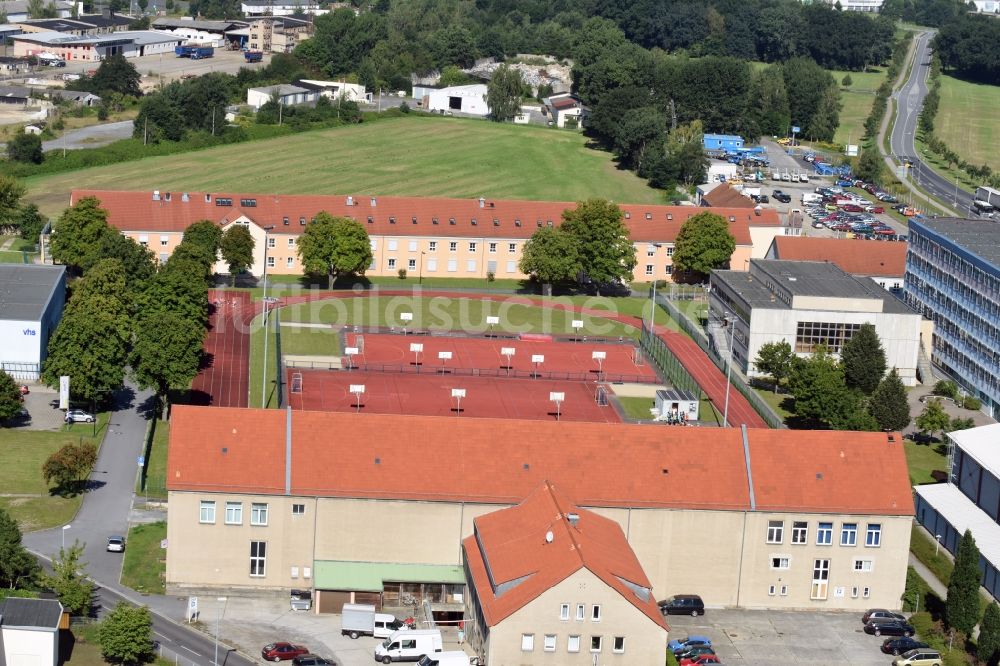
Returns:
point(966, 121)
point(156, 466)
point(145, 563)
point(934, 558)
point(922, 459)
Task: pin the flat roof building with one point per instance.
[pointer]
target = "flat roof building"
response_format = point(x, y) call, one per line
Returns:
point(31, 305)
point(808, 304)
point(882, 261)
point(953, 278)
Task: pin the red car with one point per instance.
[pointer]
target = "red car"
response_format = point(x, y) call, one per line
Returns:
point(282, 651)
point(852, 208)
point(877, 210)
point(700, 659)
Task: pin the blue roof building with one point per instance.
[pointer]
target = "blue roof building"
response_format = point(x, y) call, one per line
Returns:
point(727, 142)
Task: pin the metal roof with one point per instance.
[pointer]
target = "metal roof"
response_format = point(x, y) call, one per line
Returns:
point(952, 505)
point(982, 443)
point(30, 613)
point(370, 576)
point(25, 290)
point(980, 238)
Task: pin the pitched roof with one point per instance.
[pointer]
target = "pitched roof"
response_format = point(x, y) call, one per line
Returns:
point(858, 257)
point(726, 196)
point(393, 216)
point(512, 559)
point(30, 613)
point(228, 449)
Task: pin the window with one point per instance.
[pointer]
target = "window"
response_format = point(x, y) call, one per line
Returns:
point(649, 216)
point(511, 267)
point(650, 250)
point(432, 246)
point(258, 558)
point(432, 265)
point(527, 642)
point(771, 590)
point(780, 562)
point(143, 239)
point(452, 265)
point(392, 263)
point(670, 250)
point(619, 644)
point(412, 246)
point(563, 611)
point(206, 514)
point(849, 534)
point(271, 241)
point(470, 266)
point(298, 509)
point(595, 643)
point(820, 579)
point(258, 514)
point(392, 244)
point(234, 513)
point(784, 590)
point(302, 221)
point(775, 531)
point(453, 246)
point(863, 565)
point(573, 644)
point(649, 269)
point(866, 592)
point(472, 246)
point(873, 535)
point(284, 220)
point(164, 240)
point(810, 334)
point(800, 532)
point(670, 270)
point(581, 611)
point(549, 643)
point(511, 248)
point(291, 242)
point(411, 264)
point(270, 262)
point(392, 219)
point(595, 613)
point(824, 534)
point(289, 262)
point(493, 248)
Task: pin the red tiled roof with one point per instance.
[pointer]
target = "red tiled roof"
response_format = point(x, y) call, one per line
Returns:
point(221, 449)
point(511, 545)
point(138, 212)
point(724, 196)
point(858, 257)
point(563, 103)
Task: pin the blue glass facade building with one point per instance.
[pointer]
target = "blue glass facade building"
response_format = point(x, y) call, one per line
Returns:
point(953, 278)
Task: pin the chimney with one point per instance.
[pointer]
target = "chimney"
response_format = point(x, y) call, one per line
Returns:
point(573, 519)
point(482, 202)
point(166, 196)
point(156, 195)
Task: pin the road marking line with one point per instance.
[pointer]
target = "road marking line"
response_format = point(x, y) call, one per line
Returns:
point(184, 647)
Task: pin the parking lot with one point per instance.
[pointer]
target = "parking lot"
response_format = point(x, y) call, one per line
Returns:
point(43, 414)
point(770, 638)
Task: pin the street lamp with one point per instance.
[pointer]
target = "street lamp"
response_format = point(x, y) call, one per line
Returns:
point(263, 381)
point(731, 323)
point(937, 546)
point(420, 273)
point(63, 534)
point(218, 621)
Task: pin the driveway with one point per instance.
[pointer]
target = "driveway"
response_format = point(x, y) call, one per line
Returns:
point(91, 137)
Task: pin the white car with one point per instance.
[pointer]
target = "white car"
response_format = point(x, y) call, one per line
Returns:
point(116, 544)
point(78, 416)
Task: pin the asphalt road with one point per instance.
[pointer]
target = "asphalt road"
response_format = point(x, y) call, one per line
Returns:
point(909, 101)
point(91, 137)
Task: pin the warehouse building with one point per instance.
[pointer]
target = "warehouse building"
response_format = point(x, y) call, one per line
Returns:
point(468, 100)
point(31, 305)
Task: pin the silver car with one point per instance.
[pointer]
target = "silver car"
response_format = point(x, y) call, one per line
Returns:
point(79, 416)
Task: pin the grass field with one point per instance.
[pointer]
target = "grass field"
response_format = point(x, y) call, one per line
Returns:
point(156, 469)
point(967, 120)
point(145, 562)
point(23, 491)
point(922, 459)
point(635, 407)
point(413, 156)
point(856, 101)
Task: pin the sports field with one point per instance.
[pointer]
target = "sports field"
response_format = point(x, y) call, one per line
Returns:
point(412, 156)
point(967, 120)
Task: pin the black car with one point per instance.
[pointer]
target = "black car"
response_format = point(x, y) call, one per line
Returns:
point(781, 196)
point(683, 604)
point(889, 628)
point(312, 660)
point(897, 646)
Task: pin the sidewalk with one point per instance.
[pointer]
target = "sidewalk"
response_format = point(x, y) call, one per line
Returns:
point(932, 582)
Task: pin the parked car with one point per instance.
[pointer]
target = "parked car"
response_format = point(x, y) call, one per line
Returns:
point(685, 643)
point(778, 195)
point(700, 659)
point(880, 614)
point(693, 652)
point(919, 657)
point(886, 627)
point(312, 660)
point(116, 544)
point(683, 604)
point(78, 416)
point(282, 651)
point(897, 646)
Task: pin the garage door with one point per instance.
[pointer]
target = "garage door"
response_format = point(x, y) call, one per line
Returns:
point(332, 601)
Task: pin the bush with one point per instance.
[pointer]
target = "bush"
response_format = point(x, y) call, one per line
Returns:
point(401, 273)
point(945, 388)
point(971, 403)
point(847, 81)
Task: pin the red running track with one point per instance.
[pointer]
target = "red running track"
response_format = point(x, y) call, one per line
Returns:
point(429, 394)
point(485, 354)
point(225, 381)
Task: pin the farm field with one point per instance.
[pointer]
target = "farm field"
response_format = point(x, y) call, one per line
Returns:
point(412, 156)
point(966, 120)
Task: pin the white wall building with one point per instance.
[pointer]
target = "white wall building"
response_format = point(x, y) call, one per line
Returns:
point(354, 92)
point(987, 6)
point(29, 632)
point(719, 171)
point(470, 100)
point(288, 95)
point(31, 305)
point(809, 304)
point(856, 5)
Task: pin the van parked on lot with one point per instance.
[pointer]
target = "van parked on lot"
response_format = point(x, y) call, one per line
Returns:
point(451, 658)
point(408, 645)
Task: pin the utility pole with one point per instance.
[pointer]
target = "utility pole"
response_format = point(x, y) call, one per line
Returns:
point(213, 121)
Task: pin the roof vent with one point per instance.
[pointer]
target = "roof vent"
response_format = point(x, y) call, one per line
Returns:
point(549, 536)
point(166, 196)
point(156, 195)
point(185, 198)
point(573, 518)
point(526, 466)
point(350, 201)
point(482, 202)
point(225, 450)
point(819, 476)
point(892, 438)
point(378, 461)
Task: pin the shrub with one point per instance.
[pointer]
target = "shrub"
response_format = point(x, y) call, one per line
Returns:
point(847, 81)
point(971, 403)
point(402, 273)
point(945, 388)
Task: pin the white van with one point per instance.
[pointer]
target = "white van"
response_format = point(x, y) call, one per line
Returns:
point(408, 645)
point(386, 625)
point(451, 658)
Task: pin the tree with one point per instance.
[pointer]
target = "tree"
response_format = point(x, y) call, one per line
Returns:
point(11, 192)
point(821, 394)
point(10, 397)
point(334, 246)
point(550, 257)
point(888, 403)
point(988, 646)
point(605, 250)
point(205, 234)
point(775, 359)
point(29, 222)
point(166, 352)
point(26, 148)
point(137, 261)
point(959, 423)
point(237, 249)
point(870, 165)
point(503, 94)
point(933, 418)
point(126, 634)
point(77, 234)
point(847, 81)
point(864, 360)
point(703, 244)
point(73, 589)
point(117, 75)
point(18, 567)
point(962, 605)
point(70, 466)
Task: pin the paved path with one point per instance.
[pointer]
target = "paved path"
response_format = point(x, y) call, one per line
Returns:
point(932, 581)
point(91, 137)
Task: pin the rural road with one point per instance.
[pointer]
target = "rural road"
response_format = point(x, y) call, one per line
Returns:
point(909, 101)
point(91, 137)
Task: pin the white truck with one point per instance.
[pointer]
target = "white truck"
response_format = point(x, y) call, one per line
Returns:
point(362, 620)
point(986, 201)
point(409, 645)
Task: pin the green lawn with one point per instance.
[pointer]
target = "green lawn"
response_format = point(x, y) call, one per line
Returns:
point(309, 341)
point(7, 257)
point(775, 400)
point(23, 491)
point(412, 156)
point(636, 407)
point(967, 120)
point(145, 562)
point(856, 103)
point(156, 468)
point(922, 459)
point(926, 550)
